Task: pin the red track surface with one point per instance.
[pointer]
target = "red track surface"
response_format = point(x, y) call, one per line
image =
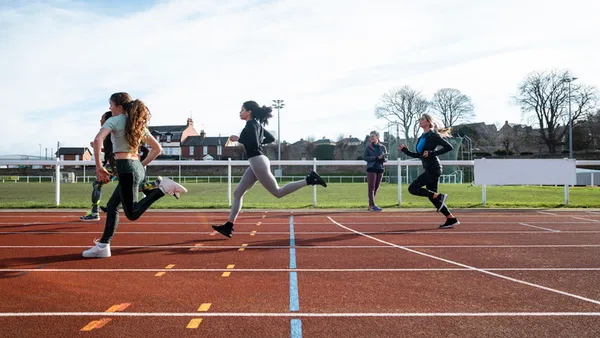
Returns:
point(359, 275)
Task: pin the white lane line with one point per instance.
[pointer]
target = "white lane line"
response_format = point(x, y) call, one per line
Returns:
point(471, 267)
point(298, 314)
point(249, 247)
point(537, 227)
point(586, 219)
point(298, 270)
point(548, 213)
point(297, 232)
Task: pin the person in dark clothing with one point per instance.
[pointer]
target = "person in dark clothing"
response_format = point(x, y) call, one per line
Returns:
point(376, 155)
point(428, 142)
point(252, 137)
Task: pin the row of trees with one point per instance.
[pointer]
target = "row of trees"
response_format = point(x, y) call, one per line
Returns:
point(404, 106)
point(543, 97)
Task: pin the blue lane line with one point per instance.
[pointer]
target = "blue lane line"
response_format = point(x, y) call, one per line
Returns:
point(296, 331)
point(294, 301)
point(295, 324)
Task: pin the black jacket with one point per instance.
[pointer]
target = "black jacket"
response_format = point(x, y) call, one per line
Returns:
point(431, 162)
point(253, 136)
point(371, 157)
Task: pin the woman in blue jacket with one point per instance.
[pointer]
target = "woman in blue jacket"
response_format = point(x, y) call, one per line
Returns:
point(375, 155)
point(427, 144)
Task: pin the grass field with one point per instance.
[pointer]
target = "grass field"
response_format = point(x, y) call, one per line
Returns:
point(336, 195)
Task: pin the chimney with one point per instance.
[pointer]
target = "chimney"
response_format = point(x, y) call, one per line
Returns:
point(190, 122)
point(202, 134)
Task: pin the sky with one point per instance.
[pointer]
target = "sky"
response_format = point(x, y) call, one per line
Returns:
point(330, 60)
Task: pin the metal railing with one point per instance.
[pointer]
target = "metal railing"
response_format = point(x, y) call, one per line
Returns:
point(230, 163)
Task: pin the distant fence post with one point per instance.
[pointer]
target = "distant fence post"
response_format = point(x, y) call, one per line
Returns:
point(399, 182)
point(483, 194)
point(566, 194)
point(229, 181)
point(57, 181)
point(315, 186)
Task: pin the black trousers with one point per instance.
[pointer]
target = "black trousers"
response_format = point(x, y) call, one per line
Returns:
point(429, 179)
point(131, 173)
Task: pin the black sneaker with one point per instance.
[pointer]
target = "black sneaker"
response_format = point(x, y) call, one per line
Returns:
point(90, 217)
point(450, 223)
point(225, 229)
point(442, 199)
point(313, 179)
point(103, 209)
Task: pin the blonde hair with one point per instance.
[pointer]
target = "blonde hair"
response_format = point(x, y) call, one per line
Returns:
point(443, 132)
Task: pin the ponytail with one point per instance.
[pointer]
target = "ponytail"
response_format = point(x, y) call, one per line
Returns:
point(261, 114)
point(443, 132)
point(138, 116)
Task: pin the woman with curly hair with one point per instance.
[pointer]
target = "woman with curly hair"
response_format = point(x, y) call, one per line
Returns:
point(128, 130)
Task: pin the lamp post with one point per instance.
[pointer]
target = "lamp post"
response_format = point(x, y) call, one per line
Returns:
point(278, 104)
point(40, 151)
point(569, 80)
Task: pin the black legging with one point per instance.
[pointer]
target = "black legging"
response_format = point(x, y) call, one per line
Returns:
point(429, 179)
point(131, 173)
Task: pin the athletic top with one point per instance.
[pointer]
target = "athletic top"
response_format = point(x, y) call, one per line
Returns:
point(116, 125)
point(253, 136)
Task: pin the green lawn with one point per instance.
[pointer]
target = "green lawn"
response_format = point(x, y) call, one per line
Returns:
point(336, 195)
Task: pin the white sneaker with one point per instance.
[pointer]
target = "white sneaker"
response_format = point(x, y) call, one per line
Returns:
point(170, 187)
point(97, 251)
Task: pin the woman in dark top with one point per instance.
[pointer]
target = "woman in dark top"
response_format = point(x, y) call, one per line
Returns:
point(252, 137)
point(427, 144)
point(375, 155)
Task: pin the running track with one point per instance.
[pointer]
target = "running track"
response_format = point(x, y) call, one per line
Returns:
point(303, 274)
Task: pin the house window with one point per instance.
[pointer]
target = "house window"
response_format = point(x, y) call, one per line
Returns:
point(205, 150)
point(191, 150)
point(76, 157)
point(168, 138)
point(219, 150)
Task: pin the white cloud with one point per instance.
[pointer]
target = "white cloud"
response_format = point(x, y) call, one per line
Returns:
point(330, 60)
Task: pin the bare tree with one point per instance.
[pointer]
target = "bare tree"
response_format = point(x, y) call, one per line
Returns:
point(309, 147)
point(507, 138)
point(404, 106)
point(544, 101)
point(452, 106)
point(341, 146)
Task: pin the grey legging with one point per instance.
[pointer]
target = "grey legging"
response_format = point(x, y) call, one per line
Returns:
point(260, 170)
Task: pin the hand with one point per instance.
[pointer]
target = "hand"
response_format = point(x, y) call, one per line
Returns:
point(103, 175)
point(402, 146)
point(426, 153)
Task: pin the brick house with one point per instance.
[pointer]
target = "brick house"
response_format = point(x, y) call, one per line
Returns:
point(74, 154)
point(200, 147)
point(172, 137)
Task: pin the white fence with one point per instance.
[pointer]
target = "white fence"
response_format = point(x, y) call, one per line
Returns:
point(58, 164)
